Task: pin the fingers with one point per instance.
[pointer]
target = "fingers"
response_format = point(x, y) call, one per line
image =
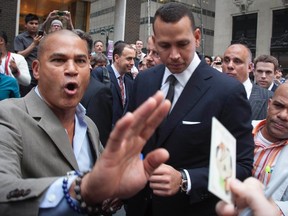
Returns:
point(224, 209)
point(151, 114)
point(154, 159)
point(141, 123)
point(119, 132)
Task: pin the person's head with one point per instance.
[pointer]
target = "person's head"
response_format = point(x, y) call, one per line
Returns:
point(56, 25)
point(98, 60)
point(123, 57)
point(237, 62)
point(62, 69)
point(143, 64)
point(3, 38)
point(139, 45)
point(98, 46)
point(208, 59)
point(276, 127)
point(31, 23)
point(152, 57)
point(175, 36)
point(85, 36)
point(265, 67)
point(278, 74)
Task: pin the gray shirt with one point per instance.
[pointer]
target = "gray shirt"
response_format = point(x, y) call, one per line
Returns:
point(21, 42)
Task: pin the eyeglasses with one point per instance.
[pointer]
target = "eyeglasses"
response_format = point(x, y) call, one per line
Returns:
point(153, 53)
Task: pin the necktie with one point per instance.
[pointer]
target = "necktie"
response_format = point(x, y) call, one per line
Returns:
point(170, 94)
point(121, 85)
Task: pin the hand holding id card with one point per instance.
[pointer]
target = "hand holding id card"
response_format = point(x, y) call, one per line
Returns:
point(222, 161)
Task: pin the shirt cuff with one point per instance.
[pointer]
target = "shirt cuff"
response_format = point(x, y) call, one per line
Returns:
point(54, 194)
point(189, 184)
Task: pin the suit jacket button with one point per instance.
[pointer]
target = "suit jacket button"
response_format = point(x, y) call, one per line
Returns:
point(26, 192)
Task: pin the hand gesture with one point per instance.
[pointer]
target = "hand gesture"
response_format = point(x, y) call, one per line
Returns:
point(120, 172)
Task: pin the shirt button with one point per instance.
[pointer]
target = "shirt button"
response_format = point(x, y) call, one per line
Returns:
point(51, 198)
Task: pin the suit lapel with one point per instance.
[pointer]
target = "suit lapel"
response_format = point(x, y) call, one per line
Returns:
point(38, 109)
point(194, 90)
point(115, 82)
point(256, 102)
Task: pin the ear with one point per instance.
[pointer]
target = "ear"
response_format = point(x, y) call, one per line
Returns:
point(197, 35)
point(251, 67)
point(36, 68)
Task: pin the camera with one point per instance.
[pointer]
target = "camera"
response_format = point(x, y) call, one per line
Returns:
point(218, 63)
point(61, 13)
point(40, 33)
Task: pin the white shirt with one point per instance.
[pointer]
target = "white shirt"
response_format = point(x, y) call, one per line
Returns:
point(83, 155)
point(248, 87)
point(182, 79)
point(117, 75)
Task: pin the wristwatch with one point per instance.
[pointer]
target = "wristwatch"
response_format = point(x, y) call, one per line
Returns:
point(184, 182)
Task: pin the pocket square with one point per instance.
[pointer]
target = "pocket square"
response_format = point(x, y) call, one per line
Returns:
point(190, 122)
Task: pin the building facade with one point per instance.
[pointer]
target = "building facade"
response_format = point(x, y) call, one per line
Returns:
point(260, 24)
point(131, 20)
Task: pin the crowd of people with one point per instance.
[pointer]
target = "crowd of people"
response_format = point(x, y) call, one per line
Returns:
point(82, 134)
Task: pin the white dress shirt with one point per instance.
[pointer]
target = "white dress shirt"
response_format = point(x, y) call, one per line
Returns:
point(182, 79)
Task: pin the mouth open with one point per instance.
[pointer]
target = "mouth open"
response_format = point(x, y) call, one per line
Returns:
point(71, 88)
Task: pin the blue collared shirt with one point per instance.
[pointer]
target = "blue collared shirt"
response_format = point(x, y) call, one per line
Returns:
point(81, 148)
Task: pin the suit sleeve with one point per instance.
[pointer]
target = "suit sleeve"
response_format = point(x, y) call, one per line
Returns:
point(99, 110)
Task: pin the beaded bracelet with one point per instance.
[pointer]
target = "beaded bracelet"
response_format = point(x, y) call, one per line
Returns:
point(83, 208)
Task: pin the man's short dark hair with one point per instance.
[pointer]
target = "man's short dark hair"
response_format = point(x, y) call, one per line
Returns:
point(29, 17)
point(96, 41)
point(85, 36)
point(172, 12)
point(118, 49)
point(4, 36)
point(267, 59)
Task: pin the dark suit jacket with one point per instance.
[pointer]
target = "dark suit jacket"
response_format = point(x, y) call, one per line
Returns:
point(274, 87)
point(208, 93)
point(97, 101)
point(259, 102)
point(118, 109)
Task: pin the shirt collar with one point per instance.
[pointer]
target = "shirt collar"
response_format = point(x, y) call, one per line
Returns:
point(117, 74)
point(183, 77)
point(248, 87)
point(80, 110)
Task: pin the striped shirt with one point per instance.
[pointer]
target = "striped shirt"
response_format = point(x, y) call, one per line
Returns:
point(266, 154)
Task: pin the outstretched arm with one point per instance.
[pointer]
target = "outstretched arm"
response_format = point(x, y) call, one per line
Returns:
point(120, 172)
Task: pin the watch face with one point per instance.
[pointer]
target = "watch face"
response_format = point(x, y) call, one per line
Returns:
point(184, 185)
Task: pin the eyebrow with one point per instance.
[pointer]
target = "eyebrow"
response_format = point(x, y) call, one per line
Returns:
point(64, 55)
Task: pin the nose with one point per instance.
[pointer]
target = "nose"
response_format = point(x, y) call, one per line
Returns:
point(174, 53)
point(71, 68)
point(283, 115)
point(263, 75)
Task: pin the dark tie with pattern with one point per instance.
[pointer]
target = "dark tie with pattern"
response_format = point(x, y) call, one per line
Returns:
point(121, 85)
point(170, 94)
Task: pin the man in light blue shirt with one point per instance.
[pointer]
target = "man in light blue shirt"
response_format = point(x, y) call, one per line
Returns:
point(47, 144)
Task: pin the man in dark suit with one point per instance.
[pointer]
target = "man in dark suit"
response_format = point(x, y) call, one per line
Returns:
point(179, 187)
point(265, 69)
point(97, 101)
point(237, 63)
point(121, 82)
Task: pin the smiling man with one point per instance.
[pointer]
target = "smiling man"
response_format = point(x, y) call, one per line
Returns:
point(121, 81)
point(271, 138)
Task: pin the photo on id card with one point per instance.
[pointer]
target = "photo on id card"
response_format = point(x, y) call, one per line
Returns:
point(222, 161)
